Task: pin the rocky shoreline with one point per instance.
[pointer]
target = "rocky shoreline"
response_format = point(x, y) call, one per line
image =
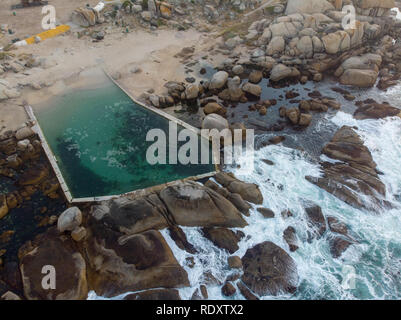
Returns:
point(116, 246)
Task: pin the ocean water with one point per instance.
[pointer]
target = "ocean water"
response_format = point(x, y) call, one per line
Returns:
point(99, 139)
point(372, 265)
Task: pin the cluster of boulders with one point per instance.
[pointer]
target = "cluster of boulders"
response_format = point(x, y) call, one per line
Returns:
point(339, 237)
point(311, 37)
point(332, 229)
point(150, 11)
point(116, 247)
point(354, 174)
point(26, 172)
point(227, 87)
point(301, 115)
point(21, 160)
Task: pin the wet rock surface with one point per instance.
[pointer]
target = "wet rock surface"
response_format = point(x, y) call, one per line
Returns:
point(60, 252)
point(191, 204)
point(119, 263)
point(268, 269)
point(223, 238)
point(354, 175)
point(376, 111)
point(248, 191)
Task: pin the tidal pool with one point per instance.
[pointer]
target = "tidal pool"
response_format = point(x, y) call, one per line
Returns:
point(98, 136)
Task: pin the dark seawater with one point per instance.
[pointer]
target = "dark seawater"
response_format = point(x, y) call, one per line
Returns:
point(24, 222)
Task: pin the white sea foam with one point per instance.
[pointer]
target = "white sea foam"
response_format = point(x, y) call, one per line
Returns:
point(375, 259)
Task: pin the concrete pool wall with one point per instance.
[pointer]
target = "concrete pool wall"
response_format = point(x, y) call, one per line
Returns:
point(138, 192)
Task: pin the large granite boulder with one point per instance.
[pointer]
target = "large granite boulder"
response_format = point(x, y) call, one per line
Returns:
point(133, 216)
point(275, 46)
point(59, 252)
point(360, 71)
point(376, 111)
point(248, 191)
point(308, 6)
point(347, 146)
point(156, 294)
point(269, 270)
point(191, 204)
point(359, 78)
point(281, 71)
point(355, 176)
point(118, 263)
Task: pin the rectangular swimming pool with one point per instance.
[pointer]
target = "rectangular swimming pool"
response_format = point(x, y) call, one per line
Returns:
point(98, 137)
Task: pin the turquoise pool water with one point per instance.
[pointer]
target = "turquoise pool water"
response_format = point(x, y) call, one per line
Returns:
point(99, 139)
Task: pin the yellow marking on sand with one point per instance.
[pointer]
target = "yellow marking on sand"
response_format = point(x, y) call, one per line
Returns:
point(48, 34)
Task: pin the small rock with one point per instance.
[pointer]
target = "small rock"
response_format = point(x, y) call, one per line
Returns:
point(304, 106)
point(238, 69)
point(218, 80)
point(317, 219)
point(304, 79)
point(3, 206)
point(317, 77)
point(204, 292)
point(214, 107)
point(338, 245)
point(23, 144)
point(146, 15)
point(69, 219)
point(228, 289)
point(78, 234)
point(276, 139)
point(305, 119)
point(252, 89)
point(192, 91)
point(336, 226)
point(135, 70)
point(267, 213)
point(289, 236)
point(24, 132)
point(255, 76)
